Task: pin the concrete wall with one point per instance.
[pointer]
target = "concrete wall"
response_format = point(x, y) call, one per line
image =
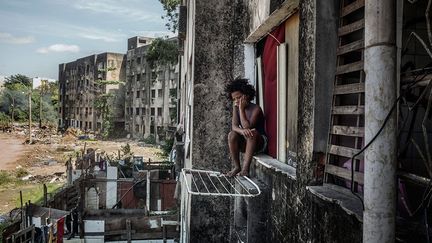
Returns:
point(214, 53)
point(327, 13)
point(291, 213)
point(218, 55)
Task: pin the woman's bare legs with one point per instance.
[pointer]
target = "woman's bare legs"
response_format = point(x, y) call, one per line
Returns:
point(252, 145)
point(236, 145)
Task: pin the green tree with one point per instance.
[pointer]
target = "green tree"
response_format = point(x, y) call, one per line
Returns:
point(162, 52)
point(171, 13)
point(104, 104)
point(14, 81)
point(14, 99)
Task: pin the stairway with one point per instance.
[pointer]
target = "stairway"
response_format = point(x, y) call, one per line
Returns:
point(347, 113)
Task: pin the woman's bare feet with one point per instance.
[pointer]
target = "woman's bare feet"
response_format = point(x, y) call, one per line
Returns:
point(244, 173)
point(233, 172)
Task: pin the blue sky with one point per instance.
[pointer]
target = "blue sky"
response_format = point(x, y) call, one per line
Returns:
point(37, 35)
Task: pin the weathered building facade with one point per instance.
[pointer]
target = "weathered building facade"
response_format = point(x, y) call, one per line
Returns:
point(83, 82)
point(150, 93)
point(142, 99)
point(327, 75)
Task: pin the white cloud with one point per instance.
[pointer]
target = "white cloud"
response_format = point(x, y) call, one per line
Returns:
point(106, 37)
point(58, 48)
point(11, 39)
point(73, 31)
point(125, 9)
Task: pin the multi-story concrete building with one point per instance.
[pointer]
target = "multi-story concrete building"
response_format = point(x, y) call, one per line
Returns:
point(83, 82)
point(150, 92)
point(339, 83)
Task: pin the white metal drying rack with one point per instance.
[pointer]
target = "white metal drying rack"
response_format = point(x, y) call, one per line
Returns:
point(212, 183)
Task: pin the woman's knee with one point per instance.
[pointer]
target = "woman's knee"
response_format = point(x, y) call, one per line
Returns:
point(255, 136)
point(233, 136)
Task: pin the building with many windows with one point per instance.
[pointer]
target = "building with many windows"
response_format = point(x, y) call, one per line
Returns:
point(84, 84)
point(150, 93)
point(143, 103)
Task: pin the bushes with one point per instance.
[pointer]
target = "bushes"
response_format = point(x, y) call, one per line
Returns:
point(5, 178)
point(21, 172)
point(149, 140)
point(167, 147)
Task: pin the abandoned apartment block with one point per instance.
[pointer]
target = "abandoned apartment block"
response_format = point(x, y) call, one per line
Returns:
point(141, 100)
point(151, 93)
point(84, 83)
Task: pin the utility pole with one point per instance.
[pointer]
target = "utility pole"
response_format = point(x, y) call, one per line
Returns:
point(379, 217)
point(13, 112)
point(40, 103)
point(30, 113)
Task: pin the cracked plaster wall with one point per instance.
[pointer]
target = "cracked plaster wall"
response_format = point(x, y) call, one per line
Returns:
point(218, 58)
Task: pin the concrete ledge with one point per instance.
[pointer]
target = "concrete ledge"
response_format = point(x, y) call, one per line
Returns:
point(268, 162)
point(340, 196)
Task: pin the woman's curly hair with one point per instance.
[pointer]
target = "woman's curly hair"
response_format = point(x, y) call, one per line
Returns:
point(242, 85)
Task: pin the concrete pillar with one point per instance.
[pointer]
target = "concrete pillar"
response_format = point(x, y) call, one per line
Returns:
point(148, 191)
point(240, 217)
point(380, 157)
point(111, 186)
point(258, 214)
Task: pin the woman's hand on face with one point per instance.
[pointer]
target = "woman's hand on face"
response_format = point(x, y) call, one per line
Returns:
point(242, 102)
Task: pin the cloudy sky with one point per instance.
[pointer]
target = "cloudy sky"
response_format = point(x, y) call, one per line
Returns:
point(37, 35)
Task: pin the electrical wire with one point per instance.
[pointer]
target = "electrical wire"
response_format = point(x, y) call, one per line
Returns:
point(375, 136)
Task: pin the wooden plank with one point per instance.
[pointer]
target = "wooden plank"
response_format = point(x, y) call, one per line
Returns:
point(344, 151)
point(348, 68)
point(349, 28)
point(344, 173)
point(353, 46)
point(352, 7)
point(110, 233)
point(128, 228)
point(348, 131)
point(349, 89)
point(262, 28)
point(348, 110)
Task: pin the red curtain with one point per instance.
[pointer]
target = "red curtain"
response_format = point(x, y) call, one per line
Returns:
point(60, 229)
point(269, 58)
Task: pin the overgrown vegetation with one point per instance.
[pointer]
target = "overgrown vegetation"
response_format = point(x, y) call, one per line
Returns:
point(35, 193)
point(104, 104)
point(171, 8)
point(149, 140)
point(162, 52)
point(14, 105)
point(21, 172)
point(167, 147)
point(6, 178)
point(127, 153)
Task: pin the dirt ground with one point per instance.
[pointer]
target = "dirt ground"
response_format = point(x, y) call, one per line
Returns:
point(45, 160)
